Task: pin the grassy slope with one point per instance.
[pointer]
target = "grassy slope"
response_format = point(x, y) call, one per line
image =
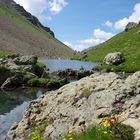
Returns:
point(14, 16)
point(126, 42)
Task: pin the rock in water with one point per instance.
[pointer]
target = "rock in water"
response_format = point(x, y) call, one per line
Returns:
point(114, 58)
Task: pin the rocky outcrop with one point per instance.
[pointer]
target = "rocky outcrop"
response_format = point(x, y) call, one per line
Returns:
point(114, 58)
point(22, 67)
point(130, 25)
point(83, 103)
point(18, 62)
point(26, 60)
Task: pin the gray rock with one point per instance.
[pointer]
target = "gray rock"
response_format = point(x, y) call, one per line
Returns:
point(130, 25)
point(113, 58)
point(12, 66)
point(26, 60)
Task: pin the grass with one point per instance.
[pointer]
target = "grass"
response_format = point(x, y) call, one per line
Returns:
point(38, 130)
point(107, 131)
point(93, 133)
point(43, 82)
point(128, 43)
point(2, 53)
point(86, 92)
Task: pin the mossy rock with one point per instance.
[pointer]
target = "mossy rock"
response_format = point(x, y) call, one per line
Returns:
point(44, 82)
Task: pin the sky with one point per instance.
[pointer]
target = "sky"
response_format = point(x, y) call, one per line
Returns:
point(84, 23)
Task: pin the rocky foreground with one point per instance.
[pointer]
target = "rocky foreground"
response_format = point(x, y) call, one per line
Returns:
point(83, 103)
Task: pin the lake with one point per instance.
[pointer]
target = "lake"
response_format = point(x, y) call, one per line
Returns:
point(12, 106)
point(61, 64)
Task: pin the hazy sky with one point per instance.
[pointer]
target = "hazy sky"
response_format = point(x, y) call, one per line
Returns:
point(84, 23)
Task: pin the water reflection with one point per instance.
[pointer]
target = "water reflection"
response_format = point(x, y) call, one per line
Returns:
point(12, 106)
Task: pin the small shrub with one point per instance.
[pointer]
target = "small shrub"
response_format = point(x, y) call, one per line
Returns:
point(86, 92)
point(33, 82)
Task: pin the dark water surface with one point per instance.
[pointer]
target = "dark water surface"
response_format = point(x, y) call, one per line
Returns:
point(61, 64)
point(12, 106)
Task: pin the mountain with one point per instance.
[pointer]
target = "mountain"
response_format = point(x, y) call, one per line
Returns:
point(126, 42)
point(21, 32)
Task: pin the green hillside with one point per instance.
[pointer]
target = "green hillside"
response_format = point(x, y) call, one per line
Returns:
point(19, 35)
point(126, 42)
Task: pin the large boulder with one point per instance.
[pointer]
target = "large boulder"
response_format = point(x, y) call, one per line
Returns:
point(114, 58)
point(26, 60)
point(130, 25)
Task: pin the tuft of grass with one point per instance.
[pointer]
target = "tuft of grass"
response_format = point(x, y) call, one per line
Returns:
point(86, 92)
point(3, 53)
point(38, 130)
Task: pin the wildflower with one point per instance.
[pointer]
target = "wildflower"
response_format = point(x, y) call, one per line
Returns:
point(105, 132)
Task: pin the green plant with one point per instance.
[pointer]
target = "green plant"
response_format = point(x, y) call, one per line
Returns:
point(4, 74)
point(108, 129)
point(44, 82)
point(92, 133)
point(3, 53)
point(33, 82)
point(86, 92)
point(37, 130)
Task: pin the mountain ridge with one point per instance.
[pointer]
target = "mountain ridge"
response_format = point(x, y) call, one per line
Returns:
point(20, 32)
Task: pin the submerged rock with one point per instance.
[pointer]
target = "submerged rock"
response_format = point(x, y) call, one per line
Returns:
point(83, 103)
